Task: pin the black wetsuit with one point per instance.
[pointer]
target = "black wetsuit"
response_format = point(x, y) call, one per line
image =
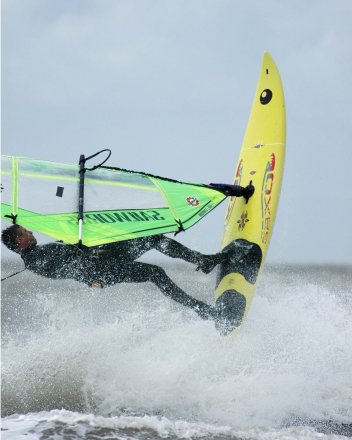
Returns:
point(115, 263)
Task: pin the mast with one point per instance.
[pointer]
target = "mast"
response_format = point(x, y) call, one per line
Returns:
point(82, 170)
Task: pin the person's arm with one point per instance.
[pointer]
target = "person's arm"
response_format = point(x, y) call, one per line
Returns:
point(235, 190)
point(49, 260)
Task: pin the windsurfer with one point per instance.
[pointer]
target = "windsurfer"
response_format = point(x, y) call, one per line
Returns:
point(109, 264)
point(114, 263)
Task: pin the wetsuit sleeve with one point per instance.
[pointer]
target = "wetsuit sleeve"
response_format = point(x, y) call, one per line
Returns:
point(52, 260)
point(229, 190)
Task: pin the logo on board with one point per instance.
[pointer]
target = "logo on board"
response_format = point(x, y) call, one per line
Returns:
point(243, 220)
point(266, 96)
point(267, 187)
point(236, 181)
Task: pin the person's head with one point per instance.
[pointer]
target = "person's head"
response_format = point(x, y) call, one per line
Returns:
point(17, 239)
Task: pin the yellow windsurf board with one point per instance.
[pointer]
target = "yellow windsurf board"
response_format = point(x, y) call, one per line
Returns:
point(248, 226)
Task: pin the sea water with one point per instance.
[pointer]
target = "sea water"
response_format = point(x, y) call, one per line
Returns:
point(128, 363)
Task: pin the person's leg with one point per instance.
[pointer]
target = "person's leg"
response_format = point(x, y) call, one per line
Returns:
point(127, 250)
point(137, 272)
point(174, 249)
point(130, 250)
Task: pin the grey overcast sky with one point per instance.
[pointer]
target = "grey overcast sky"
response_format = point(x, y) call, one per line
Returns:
point(168, 86)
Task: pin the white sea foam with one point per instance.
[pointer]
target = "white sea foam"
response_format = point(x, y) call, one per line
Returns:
point(63, 423)
point(128, 352)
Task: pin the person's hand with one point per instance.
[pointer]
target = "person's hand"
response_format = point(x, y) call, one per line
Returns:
point(248, 191)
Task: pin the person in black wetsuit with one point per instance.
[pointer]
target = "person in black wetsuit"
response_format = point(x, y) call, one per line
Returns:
point(115, 263)
point(110, 264)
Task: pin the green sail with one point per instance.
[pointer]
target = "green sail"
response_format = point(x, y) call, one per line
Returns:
point(118, 204)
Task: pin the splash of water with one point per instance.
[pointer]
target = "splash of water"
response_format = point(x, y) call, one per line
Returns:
point(127, 350)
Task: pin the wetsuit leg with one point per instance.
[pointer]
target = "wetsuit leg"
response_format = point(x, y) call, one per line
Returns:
point(174, 249)
point(128, 250)
point(137, 272)
point(132, 249)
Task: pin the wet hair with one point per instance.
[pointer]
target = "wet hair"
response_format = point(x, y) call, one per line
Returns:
point(9, 237)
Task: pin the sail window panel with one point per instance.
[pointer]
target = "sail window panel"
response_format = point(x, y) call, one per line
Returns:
point(98, 197)
point(6, 188)
point(41, 195)
point(41, 169)
point(119, 177)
